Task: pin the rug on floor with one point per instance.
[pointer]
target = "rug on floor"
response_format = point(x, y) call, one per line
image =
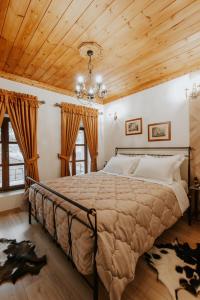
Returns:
point(177, 265)
point(18, 259)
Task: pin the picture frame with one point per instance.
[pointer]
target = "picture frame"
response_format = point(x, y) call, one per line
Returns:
point(159, 131)
point(133, 126)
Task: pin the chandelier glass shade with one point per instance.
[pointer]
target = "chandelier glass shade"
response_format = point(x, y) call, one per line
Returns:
point(90, 88)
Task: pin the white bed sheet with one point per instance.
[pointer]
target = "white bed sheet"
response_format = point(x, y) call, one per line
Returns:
point(185, 185)
point(179, 188)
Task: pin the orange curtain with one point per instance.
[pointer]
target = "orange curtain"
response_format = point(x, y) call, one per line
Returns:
point(70, 122)
point(90, 123)
point(2, 107)
point(23, 111)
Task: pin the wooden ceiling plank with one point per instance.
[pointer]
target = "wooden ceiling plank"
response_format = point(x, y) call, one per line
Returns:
point(178, 61)
point(145, 65)
point(141, 34)
point(159, 71)
point(118, 57)
point(15, 15)
point(89, 16)
point(3, 11)
point(156, 7)
point(122, 21)
point(57, 75)
point(132, 69)
point(158, 20)
point(187, 8)
point(120, 81)
point(136, 75)
point(104, 20)
point(150, 59)
point(183, 31)
point(163, 70)
point(142, 23)
point(193, 67)
point(49, 21)
point(127, 14)
point(35, 13)
point(35, 83)
point(76, 9)
point(61, 47)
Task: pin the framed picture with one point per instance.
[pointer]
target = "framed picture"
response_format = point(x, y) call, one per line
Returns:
point(159, 132)
point(133, 126)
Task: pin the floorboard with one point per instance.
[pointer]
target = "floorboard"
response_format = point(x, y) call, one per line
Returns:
point(59, 281)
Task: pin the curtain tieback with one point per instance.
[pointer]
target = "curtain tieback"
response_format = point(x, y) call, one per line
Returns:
point(65, 157)
point(31, 160)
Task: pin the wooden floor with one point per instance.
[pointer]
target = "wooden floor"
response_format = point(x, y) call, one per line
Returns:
point(59, 281)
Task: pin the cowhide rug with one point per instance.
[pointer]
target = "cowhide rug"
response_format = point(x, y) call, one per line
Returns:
point(18, 259)
point(177, 265)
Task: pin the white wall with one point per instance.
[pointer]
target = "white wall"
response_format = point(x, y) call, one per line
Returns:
point(49, 128)
point(10, 200)
point(165, 102)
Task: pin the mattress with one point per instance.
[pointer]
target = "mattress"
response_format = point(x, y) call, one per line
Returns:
point(131, 214)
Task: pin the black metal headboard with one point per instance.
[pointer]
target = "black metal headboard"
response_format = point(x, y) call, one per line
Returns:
point(158, 151)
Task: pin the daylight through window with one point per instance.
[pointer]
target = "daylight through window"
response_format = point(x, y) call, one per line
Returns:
point(11, 159)
point(80, 160)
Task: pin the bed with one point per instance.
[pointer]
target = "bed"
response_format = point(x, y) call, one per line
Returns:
point(104, 222)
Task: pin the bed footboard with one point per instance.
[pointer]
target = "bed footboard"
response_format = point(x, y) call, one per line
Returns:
point(92, 225)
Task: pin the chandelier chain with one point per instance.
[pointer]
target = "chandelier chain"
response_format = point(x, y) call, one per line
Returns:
point(90, 68)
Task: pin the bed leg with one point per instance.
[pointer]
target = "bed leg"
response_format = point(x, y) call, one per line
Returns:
point(189, 211)
point(96, 286)
point(29, 212)
point(96, 279)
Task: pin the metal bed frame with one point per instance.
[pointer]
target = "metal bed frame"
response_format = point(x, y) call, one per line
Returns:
point(91, 213)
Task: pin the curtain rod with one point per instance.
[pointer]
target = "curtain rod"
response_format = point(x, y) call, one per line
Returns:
point(58, 105)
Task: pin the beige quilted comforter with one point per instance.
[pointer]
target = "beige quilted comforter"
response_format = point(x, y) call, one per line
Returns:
point(131, 214)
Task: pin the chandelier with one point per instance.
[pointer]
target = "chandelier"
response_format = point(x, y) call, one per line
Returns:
point(90, 88)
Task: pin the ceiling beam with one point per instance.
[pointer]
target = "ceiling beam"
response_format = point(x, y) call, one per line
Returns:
point(35, 83)
point(38, 84)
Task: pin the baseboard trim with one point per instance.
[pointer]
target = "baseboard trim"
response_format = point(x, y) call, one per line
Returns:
point(11, 211)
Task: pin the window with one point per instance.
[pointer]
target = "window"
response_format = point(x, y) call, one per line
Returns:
point(80, 162)
point(11, 159)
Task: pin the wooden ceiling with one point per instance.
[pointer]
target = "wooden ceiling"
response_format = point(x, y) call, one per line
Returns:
point(145, 42)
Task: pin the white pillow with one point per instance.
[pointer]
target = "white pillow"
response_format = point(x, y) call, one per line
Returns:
point(161, 169)
point(177, 168)
point(179, 159)
point(121, 165)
